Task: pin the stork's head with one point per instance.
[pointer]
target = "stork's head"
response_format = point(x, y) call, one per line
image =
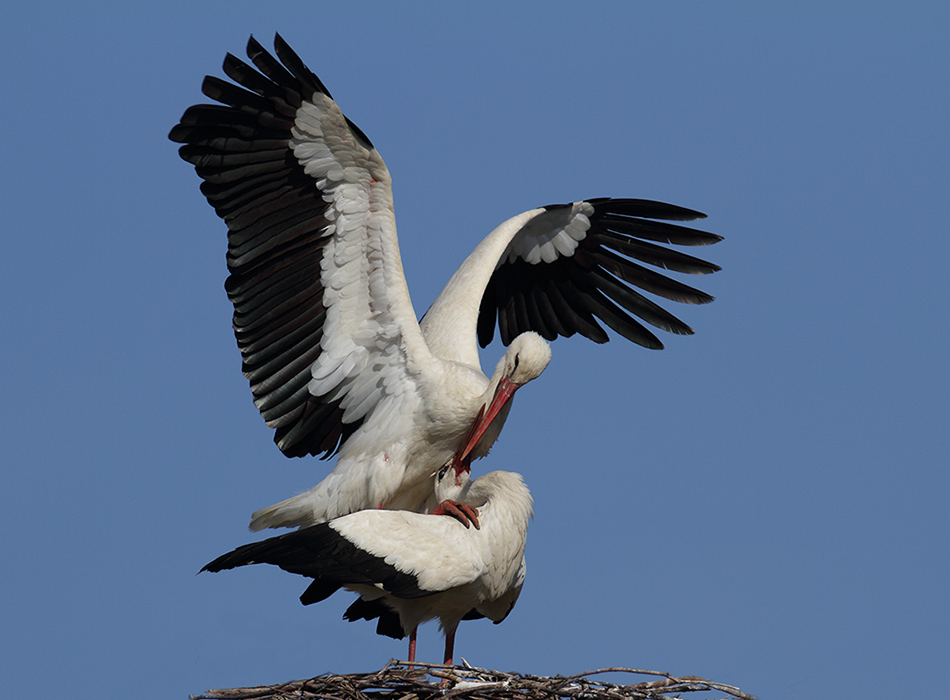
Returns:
point(524, 360)
point(450, 483)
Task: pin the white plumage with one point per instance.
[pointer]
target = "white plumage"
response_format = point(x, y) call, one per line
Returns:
point(329, 338)
point(409, 568)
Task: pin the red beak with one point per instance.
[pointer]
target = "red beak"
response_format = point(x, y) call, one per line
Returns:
point(506, 389)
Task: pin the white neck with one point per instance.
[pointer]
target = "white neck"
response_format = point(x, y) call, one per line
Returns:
point(450, 324)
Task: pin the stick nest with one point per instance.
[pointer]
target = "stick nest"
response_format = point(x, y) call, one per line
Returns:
point(399, 680)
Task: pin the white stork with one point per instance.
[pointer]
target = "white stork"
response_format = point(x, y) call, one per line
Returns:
point(409, 568)
point(330, 343)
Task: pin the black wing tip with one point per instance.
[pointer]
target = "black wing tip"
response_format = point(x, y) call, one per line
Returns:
point(710, 238)
point(281, 45)
point(649, 208)
point(178, 133)
point(254, 47)
point(212, 86)
point(252, 553)
point(230, 63)
point(220, 564)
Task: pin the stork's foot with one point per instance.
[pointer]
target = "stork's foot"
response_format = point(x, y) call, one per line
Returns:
point(462, 512)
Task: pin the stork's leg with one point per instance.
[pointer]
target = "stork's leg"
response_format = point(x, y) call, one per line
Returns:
point(412, 644)
point(462, 512)
point(449, 646)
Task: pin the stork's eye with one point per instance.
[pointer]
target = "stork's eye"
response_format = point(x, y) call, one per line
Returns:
point(442, 471)
point(513, 369)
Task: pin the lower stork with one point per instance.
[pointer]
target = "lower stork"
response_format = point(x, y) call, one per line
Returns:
point(409, 568)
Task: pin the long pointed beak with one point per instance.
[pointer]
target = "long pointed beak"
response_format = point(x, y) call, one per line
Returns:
point(506, 389)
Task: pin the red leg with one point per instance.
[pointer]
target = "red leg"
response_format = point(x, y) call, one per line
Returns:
point(449, 647)
point(412, 645)
point(462, 512)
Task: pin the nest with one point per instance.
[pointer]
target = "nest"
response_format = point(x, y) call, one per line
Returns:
point(400, 680)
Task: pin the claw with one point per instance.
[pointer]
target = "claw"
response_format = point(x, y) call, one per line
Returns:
point(462, 512)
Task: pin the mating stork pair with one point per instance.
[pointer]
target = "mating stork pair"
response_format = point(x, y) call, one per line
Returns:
point(338, 363)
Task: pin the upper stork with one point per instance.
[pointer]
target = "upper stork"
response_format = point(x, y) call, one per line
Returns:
point(335, 357)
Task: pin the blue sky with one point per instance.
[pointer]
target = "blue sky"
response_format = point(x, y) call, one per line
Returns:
point(763, 503)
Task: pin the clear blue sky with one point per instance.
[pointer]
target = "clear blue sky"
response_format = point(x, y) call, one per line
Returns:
point(764, 503)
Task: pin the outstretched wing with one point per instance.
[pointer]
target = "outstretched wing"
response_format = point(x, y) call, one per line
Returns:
point(576, 263)
point(556, 270)
point(322, 313)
